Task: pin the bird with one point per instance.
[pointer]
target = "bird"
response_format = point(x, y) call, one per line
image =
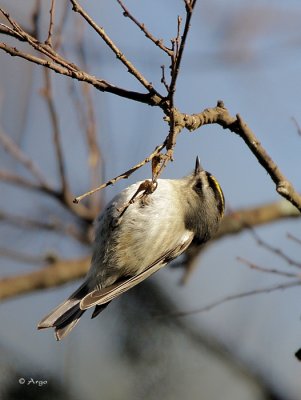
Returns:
point(135, 236)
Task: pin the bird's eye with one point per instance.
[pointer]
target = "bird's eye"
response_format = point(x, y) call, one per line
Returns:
point(198, 186)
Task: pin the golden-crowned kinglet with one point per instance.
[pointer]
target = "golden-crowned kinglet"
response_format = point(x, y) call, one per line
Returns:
point(131, 245)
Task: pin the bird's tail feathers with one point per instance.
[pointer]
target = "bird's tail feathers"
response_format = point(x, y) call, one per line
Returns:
point(66, 315)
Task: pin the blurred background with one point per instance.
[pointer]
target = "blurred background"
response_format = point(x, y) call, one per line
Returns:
point(246, 53)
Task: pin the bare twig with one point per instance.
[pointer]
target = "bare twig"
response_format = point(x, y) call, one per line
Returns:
point(99, 84)
point(268, 289)
point(87, 115)
point(275, 250)
point(124, 175)
point(101, 32)
point(268, 270)
point(65, 67)
point(51, 24)
point(53, 224)
point(163, 79)
point(294, 238)
point(15, 151)
point(22, 257)
point(60, 26)
point(48, 95)
point(297, 125)
point(142, 27)
point(236, 222)
point(43, 48)
point(221, 116)
point(6, 30)
point(35, 18)
point(176, 68)
point(9, 177)
point(67, 201)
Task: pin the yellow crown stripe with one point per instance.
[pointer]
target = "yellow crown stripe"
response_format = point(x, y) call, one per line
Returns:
point(219, 189)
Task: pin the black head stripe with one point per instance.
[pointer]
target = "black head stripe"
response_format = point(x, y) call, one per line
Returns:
point(218, 193)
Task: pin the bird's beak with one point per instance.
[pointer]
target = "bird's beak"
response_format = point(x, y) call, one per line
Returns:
point(198, 167)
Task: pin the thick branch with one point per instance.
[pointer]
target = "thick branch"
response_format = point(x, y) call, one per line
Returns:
point(220, 115)
point(61, 272)
point(54, 275)
point(237, 222)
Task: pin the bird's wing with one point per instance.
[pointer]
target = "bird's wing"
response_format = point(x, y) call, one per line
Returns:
point(104, 295)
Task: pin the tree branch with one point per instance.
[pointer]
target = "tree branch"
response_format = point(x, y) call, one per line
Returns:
point(220, 115)
point(101, 32)
point(56, 274)
point(142, 27)
point(124, 175)
point(236, 222)
point(268, 289)
point(99, 84)
point(179, 54)
point(64, 271)
point(15, 151)
point(52, 224)
point(48, 95)
point(51, 24)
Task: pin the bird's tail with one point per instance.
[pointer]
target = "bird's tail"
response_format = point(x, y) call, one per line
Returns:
point(66, 315)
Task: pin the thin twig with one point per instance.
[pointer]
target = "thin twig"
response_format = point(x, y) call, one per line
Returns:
point(297, 125)
point(35, 18)
point(15, 151)
point(269, 289)
point(124, 175)
point(67, 201)
point(48, 95)
point(6, 30)
point(268, 270)
point(88, 116)
point(51, 24)
point(179, 56)
point(53, 224)
point(22, 257)
point(101, 32)
point(294, 238)
point(43, 48)
point(65, 67)
point(60, 26)
point(163, 79)
point(9, 177)
point(275, 250)
point(142, 27)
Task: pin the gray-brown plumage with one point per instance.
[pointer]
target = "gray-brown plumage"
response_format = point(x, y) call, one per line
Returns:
point(130, 246)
